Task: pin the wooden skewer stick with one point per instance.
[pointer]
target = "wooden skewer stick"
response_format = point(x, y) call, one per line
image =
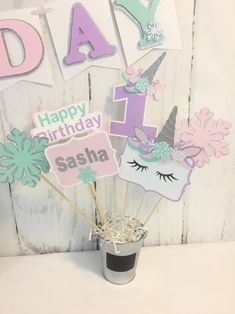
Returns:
point(140, 206)
point(153, 210)
point(98, 207)
point(126, 196)
point(75, 207)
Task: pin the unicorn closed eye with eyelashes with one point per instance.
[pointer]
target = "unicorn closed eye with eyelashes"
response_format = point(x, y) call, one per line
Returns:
point(159, 165)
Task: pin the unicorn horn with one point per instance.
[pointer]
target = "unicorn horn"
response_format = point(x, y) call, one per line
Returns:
point(151, 71)
point(167, 133)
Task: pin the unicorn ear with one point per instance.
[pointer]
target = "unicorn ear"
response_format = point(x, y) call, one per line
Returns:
point(141, 135)
point(191, 151)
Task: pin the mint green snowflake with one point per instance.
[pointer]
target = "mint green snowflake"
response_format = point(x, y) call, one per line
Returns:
point(161, 151)
point(87, 175)
point(153, 33)
point(23, 158)
point(142, 84)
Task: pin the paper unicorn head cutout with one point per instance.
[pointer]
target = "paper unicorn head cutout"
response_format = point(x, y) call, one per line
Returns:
point(159, 165)
point(143, 82)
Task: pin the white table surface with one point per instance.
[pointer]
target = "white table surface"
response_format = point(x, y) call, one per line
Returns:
point(189, 279)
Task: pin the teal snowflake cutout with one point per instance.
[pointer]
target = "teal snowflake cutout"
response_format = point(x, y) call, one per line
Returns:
point(153, 33)
point(142, 84)
point(87, 175)
point(23, 158)
point(161, 151)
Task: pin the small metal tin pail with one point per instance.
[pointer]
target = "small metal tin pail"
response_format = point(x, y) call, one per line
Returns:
point(119, 261)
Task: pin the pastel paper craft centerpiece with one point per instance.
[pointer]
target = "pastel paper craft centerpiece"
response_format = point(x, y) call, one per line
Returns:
point(158, 164)
point(82, 159)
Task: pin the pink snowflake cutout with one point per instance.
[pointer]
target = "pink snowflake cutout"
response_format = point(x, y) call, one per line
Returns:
point(207, 133)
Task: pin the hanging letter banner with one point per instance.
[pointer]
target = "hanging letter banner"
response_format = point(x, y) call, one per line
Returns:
point(83, 35)
point(22, 52)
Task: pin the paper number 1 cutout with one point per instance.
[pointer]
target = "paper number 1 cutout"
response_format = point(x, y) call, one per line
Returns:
point(134, 114)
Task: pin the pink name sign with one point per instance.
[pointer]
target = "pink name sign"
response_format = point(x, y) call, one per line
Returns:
point(93, 151)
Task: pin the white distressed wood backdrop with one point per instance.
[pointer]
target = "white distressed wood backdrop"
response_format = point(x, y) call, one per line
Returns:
point(34, 221)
